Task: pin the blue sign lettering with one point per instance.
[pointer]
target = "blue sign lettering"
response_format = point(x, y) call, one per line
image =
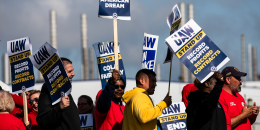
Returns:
point(183, 35)
point(83, 120)
point(18, 46)
point(42, 55)
point(149, 42)
point(109, 48)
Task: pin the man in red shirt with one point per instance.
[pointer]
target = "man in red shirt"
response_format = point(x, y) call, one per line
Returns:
point(187, 89)
point(241, 116)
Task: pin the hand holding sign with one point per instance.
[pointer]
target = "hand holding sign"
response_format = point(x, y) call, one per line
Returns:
point(65, 102)
point(115, 76)
point(168, 100)
point(218, 76)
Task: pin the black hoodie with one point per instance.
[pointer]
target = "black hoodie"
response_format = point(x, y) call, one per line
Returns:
point(204, 112)
point(52, 117)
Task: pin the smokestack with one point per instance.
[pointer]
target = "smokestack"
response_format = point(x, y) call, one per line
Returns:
point(6, 70)
point(243, 57)
point(53, 29)
point(254, 63)
point(84, 45)
point(158, 71)
point(184, 71)
point(191, 16)
point(249, 62)
point(91, 63)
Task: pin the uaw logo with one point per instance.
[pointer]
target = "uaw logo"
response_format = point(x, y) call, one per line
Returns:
point(213, 69)
point(114, 15)
point(23, 88)
point(62, 94)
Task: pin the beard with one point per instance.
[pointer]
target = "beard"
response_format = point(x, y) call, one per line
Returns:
point(235, 88)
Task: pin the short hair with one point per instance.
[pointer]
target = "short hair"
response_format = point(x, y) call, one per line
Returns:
point(33, 92)
point(88, 98)
point(142, 73)
point(65, 61)
point(6, 102)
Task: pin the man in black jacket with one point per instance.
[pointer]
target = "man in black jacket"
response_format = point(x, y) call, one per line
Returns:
point(204, 112)
point(63, 115)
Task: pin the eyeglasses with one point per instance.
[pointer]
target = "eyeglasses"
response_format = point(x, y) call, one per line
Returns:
point(35, 99)
point(82, 104)
point(237, 78)
point(121, 86)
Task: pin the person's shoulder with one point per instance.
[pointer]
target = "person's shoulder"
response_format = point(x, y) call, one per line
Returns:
point(44, 87)
point(140, 97)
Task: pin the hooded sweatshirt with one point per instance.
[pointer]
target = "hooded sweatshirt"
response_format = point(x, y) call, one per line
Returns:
point(140, 113)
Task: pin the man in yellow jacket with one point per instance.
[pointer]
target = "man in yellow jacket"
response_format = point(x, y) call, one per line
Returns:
point(140, 113)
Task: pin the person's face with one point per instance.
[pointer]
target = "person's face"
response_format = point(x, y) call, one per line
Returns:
point(119, 90)
point(69, 69)
point(152, 84)
point(235, 84)
point(34, 99)
point(83, 106)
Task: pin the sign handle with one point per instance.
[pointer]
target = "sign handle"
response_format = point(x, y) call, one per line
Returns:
point(115, 43)
point(170, 77)
point(25, 110)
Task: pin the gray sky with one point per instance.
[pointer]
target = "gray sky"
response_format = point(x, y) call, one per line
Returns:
point(223, 21)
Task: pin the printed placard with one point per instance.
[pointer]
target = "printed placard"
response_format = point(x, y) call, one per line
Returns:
point(196, 51)
point(86, 121)
point(22, 73)
point(173, 20)
point(48, 62)
point(174, 117)
point(114, 9)
point(150, 45)
point(106, 61)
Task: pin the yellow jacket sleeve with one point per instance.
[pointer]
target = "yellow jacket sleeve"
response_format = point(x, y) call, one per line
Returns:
point(144, 110)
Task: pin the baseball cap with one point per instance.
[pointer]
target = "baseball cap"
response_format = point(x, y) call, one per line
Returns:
point(232, 71)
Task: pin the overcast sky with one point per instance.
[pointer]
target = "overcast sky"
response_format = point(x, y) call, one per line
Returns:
point(222, 20)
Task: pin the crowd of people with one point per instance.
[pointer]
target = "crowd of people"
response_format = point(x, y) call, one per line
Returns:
point(212, 105)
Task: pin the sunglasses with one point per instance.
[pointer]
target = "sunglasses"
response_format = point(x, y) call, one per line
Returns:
point(121, 86)
point(35, 99)
point(82, 104)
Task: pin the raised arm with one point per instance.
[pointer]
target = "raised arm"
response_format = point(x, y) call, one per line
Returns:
point(144, 109)
point(104, 101)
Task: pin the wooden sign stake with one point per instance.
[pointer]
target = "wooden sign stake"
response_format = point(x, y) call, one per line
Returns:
point(115, 43)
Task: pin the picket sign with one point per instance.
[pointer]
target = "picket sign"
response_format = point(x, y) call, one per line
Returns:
point(196, 50)
point(115, 10)
point(19, 51)
point(149, 52)
point(86, 121)
point(174, 117)
point(48, 62)
point(106, 61)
